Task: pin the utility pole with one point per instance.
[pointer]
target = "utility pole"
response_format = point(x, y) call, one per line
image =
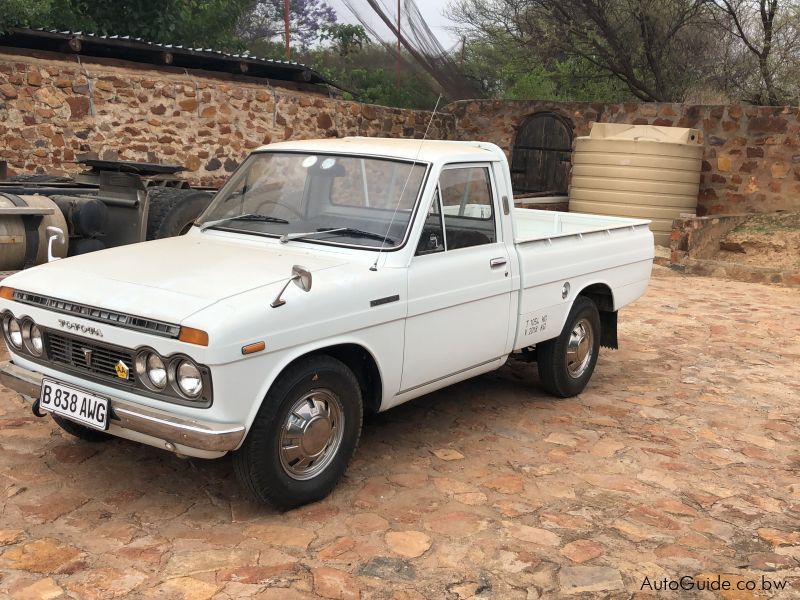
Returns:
point(397, 59)
point(286, 27)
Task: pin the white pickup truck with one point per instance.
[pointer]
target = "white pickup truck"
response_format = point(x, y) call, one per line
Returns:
point(413, 271)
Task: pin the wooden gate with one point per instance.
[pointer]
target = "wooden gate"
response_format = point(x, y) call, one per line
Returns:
point(540, 159)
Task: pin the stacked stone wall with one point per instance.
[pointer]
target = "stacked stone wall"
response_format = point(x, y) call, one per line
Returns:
point(751, 159)
point(54, 111)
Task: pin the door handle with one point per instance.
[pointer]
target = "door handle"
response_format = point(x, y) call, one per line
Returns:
point(497, 262)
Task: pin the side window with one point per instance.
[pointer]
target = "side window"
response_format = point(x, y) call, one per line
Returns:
point(467, 207)
point(432, 238)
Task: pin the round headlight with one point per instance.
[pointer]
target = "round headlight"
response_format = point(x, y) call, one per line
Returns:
point(32, 336)
point(189, 379)
point(37, 345)
point(150, 370)
point(13, 331)
point(156, 371)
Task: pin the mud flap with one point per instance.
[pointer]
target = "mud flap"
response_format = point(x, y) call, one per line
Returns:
point(608, 329)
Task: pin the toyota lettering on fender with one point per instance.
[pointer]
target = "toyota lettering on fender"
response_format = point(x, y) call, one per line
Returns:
point(328, 278)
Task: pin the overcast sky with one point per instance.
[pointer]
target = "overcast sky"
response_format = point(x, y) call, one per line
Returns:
point(432, 10)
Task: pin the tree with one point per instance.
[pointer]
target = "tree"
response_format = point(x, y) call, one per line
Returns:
point(651, 46)
point(367, 73)
point(23, 12)
point(502, 69)
point(264, 21)
point(769, 30)
point(345, 38)
point(205, 23)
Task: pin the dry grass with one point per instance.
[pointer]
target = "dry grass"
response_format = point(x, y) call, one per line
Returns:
point(767, 240)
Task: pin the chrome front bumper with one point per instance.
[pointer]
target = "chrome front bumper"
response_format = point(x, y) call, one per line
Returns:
point(156, 425)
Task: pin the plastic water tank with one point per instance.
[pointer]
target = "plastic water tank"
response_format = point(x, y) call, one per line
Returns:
point(637, 171)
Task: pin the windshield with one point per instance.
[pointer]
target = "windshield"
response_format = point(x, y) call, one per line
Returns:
point(335, 199)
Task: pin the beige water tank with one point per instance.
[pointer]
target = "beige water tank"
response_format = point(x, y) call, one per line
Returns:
point(637, 171)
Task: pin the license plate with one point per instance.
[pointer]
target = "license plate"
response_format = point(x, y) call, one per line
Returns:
point(74, 403)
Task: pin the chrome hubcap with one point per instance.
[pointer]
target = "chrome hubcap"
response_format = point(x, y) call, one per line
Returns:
point(580, 348)
point(312, 434)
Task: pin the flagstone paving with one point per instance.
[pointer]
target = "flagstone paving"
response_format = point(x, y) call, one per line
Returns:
point(681, 459)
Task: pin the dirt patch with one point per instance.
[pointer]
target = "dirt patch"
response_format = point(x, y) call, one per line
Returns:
point(771, 240)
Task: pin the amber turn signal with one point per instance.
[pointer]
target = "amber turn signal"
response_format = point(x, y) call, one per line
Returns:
point(6, 292)
point(253, 348)
point(193, 336)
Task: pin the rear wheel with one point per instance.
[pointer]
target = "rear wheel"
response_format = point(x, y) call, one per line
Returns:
point(566, 363)
point(172, 211)
point(304, 435)
point(87, 434)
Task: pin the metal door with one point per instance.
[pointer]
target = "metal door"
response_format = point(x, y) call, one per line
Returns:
point(459, 304)
point(540, 159)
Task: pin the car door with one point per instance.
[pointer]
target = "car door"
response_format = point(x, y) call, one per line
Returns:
point(459, 288)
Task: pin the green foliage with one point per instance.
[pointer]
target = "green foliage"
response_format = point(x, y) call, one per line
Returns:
point(345, 56)
point(655, 49)
point(267, 49)
point(345, 38)
point(504, 69)
point(206, 23)
point(569, 80)
point(369, 76)
point(377, 86)
point(23, 12)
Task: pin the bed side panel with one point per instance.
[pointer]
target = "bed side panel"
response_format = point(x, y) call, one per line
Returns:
point(620, 258)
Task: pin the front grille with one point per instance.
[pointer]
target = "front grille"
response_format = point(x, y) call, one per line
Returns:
point(100, 315)
point(89, 357)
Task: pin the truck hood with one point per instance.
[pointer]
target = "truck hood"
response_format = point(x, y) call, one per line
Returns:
point(169, 279)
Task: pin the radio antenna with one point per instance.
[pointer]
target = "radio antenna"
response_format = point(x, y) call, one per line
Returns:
point(374, 266)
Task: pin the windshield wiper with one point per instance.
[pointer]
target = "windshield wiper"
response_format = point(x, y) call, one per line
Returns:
point(348, 231)
point(247, 217)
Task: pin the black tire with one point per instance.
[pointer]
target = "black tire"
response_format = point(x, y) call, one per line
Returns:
point(258, 463)
point(554, 373)
point(172, 210)
point(87, 434)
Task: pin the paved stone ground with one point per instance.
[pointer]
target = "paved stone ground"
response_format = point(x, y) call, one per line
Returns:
point(682, 458)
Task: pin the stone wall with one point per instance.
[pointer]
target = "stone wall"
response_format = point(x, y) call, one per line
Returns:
point(699, 237)
point(751, 153)
point(695, 245)
point(54, 111)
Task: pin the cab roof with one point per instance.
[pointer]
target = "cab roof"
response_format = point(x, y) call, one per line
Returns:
point(403, 148)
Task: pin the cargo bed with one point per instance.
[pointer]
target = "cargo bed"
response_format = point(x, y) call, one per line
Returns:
point(531, 224)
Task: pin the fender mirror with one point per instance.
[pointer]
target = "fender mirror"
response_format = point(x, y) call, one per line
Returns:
point(302, 279)
point(54, 234)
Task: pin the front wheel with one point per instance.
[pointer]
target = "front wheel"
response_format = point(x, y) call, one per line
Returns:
point(304, 435)
point(566, 363)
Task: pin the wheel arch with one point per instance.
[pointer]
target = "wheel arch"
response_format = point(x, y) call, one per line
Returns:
point(359, 360)
point(601, 294)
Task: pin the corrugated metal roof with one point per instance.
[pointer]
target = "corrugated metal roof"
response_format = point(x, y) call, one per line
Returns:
point(140, 50)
